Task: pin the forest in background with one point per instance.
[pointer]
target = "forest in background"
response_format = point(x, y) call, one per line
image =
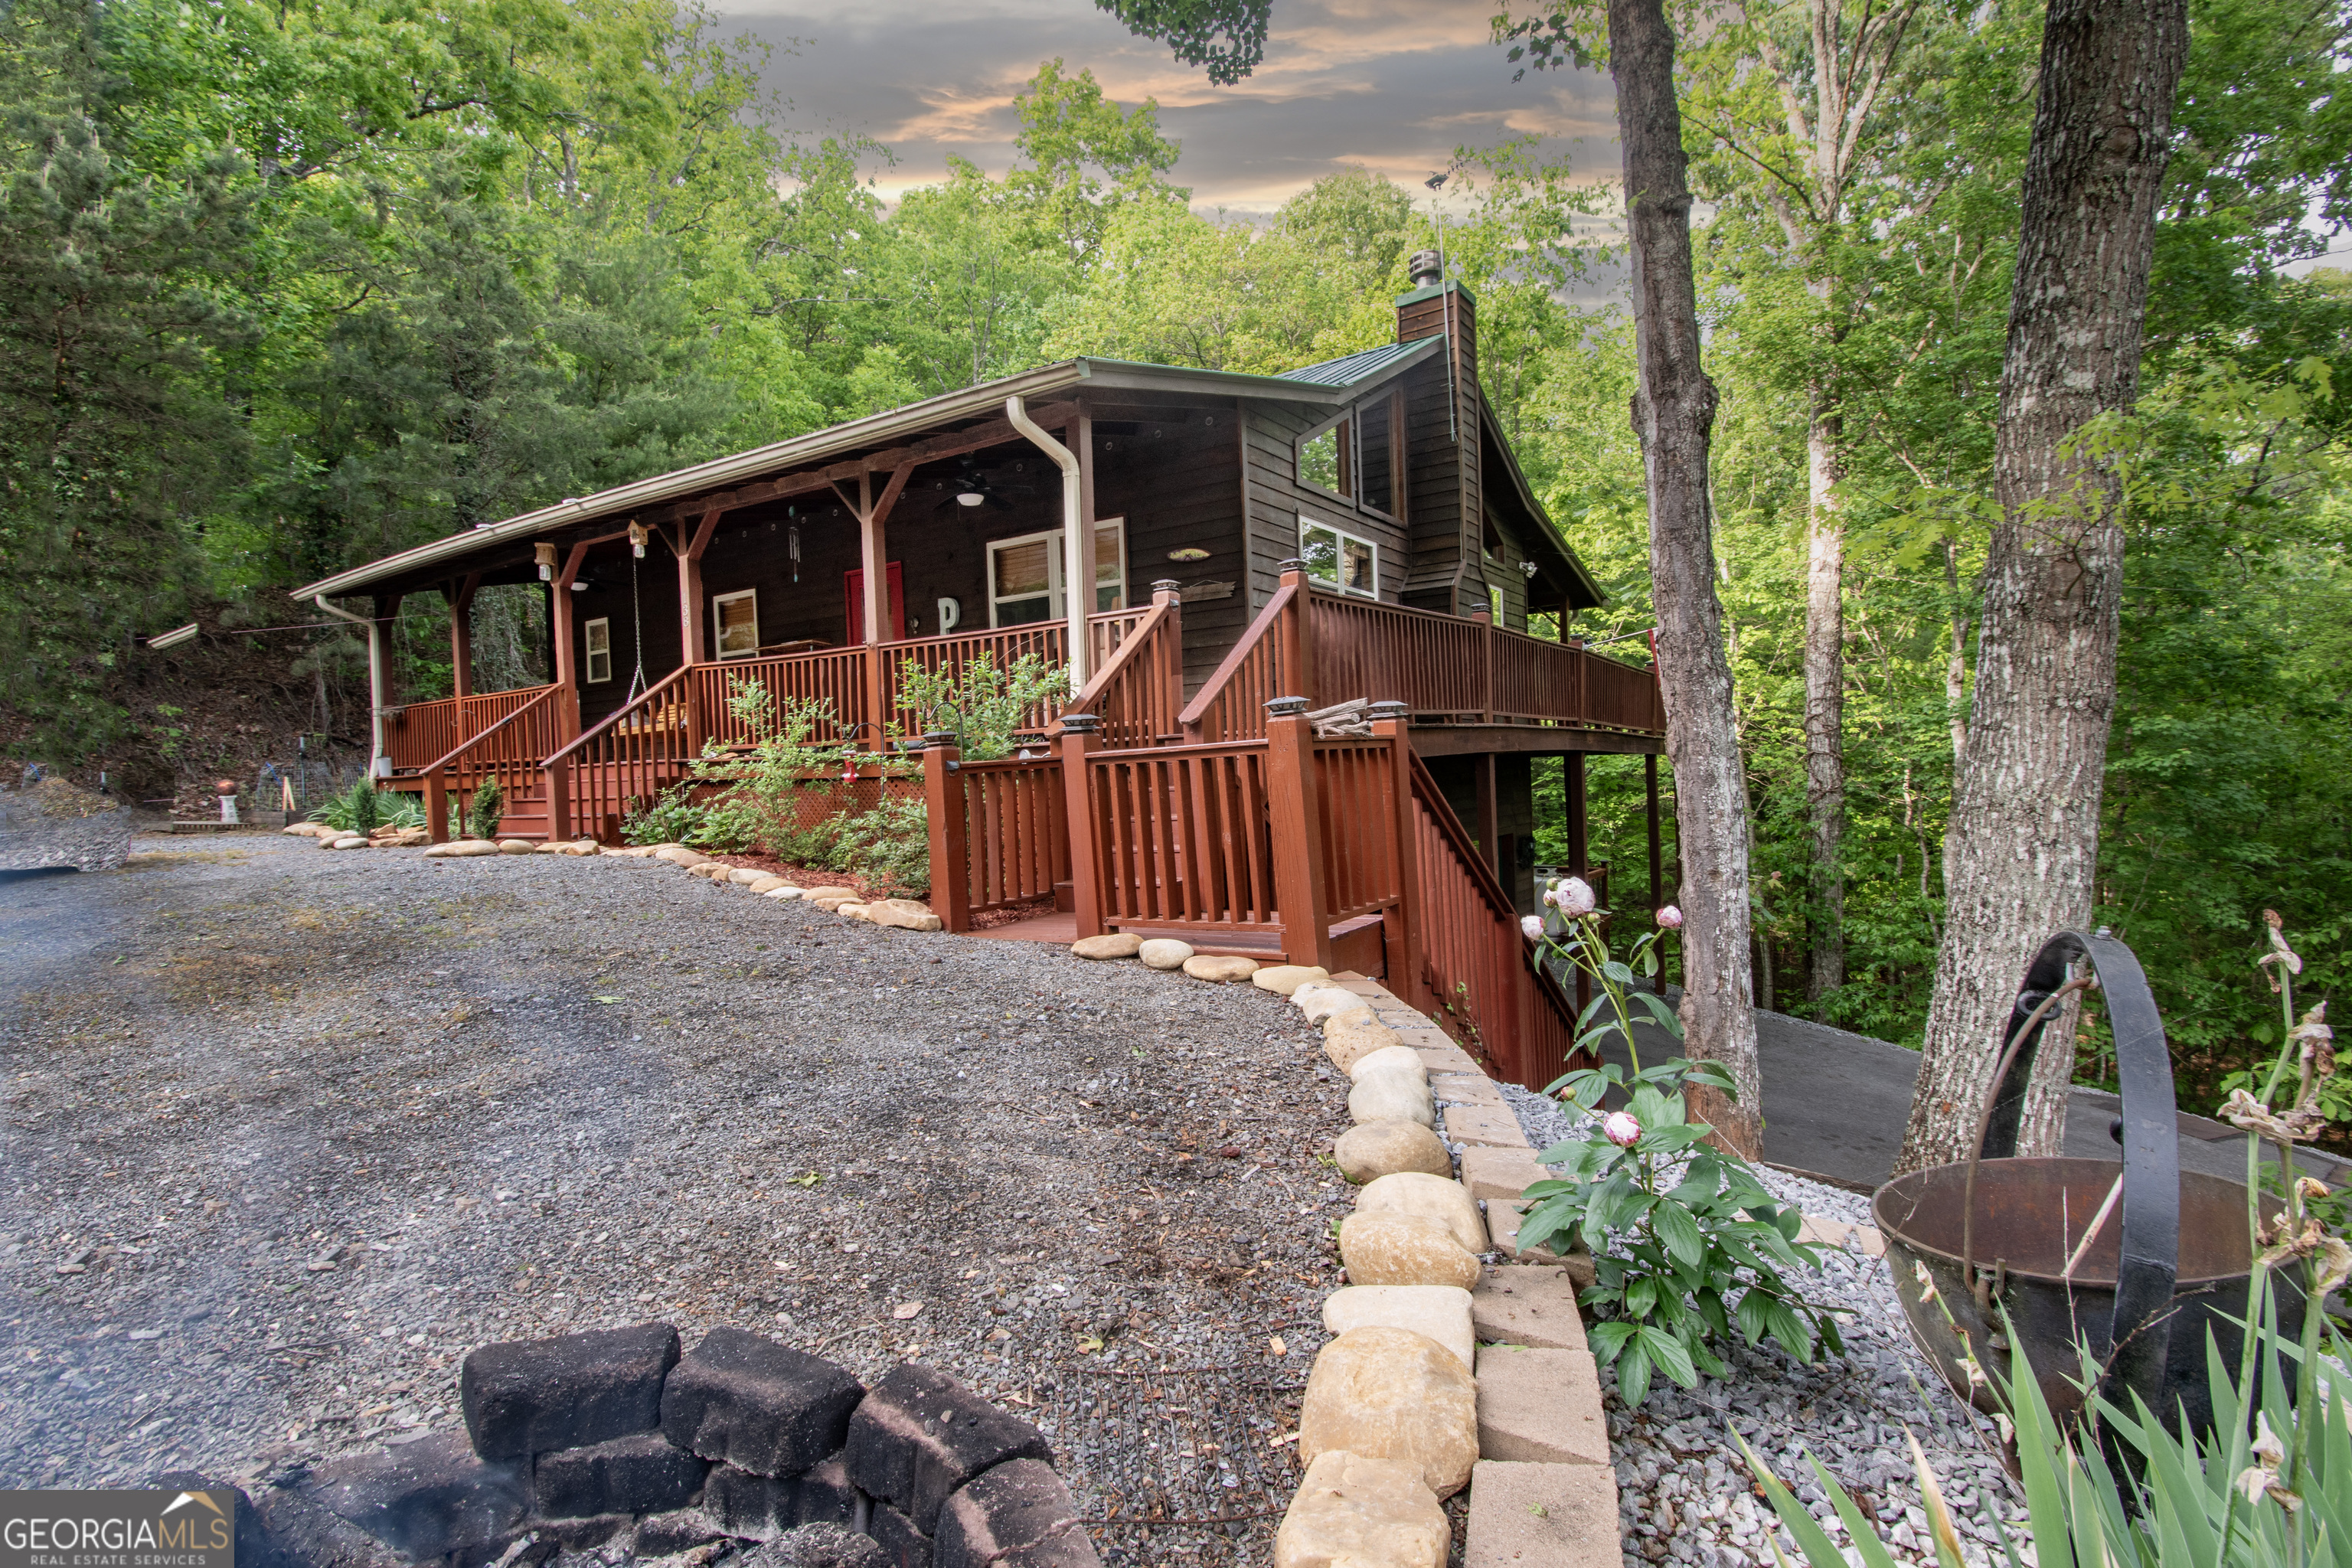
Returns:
point(287, 287)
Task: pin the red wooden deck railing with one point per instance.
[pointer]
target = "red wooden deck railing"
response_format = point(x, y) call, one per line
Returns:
point(1335, 648)
point(1138, 686)
point(1477, 963)
point(508, 750)
point(424, 732)
point(1182, 836)
point(625, 761)
point(1000, 833)
point(1231, 705)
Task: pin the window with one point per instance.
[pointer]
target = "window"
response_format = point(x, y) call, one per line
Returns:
point(736, 619)
point(1376, 474)
point(1494, 601)
point(598, 635)
point(1340, 560)
point(1026, 574)
point(1325, 461)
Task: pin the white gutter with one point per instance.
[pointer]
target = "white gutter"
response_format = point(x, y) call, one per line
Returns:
point(1078, 583)
point(380, 754)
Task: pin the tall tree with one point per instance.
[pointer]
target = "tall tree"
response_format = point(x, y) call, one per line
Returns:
point(1674, 411)
point(2022, 846)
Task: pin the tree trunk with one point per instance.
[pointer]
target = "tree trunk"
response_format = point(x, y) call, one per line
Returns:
point(1825, 693)
point(1673, 412)
point(2023, 847)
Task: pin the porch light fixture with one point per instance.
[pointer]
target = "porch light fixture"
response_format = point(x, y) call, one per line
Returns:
point(637, 539)
point(968, 497)
point(545, 555)
point(581, 584)
point(1528, 567)
point(1190, 552)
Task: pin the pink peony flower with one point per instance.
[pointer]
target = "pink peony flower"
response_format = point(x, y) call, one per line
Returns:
point(1621, 1129)
point(1574, 897)
point(1671, 918)
point(1533, 926)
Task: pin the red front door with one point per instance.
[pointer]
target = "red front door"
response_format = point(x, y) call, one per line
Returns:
point(895, 630)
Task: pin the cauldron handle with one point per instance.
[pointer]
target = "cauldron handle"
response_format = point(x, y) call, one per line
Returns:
point(2149, 1261)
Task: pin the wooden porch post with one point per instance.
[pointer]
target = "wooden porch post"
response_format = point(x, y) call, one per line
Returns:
point(436, 807)
point(1079, 738)
point(1294, 638)
point(461, 641)
point(567, 673)
point(1400, 929)
point(1295, 810)
point(950, 853)
point(872, 514)
point(1578, 818)
point(692, 641)
point(1486, 620)
point(1490, 812)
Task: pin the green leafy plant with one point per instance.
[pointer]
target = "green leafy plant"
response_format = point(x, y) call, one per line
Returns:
point(1688, 1244)
point(484, 810)
point(890, 846)
point(670, 817)
point(363, 808)
point(983, 704)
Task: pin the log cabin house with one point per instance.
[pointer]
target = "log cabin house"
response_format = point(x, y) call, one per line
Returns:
point(1255, 546)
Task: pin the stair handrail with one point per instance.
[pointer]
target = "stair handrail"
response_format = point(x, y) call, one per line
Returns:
point(432, 769)
point(1189, 722)
point(568, 753)
point(1139, 643)
point(1457, 837)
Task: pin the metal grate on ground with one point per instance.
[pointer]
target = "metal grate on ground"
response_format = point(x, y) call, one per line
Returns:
point(1177, 1465)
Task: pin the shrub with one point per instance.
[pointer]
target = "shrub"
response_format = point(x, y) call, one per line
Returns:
point(984, 705)
point(670, 817)
point(363, 808)
point(482, 813)
point(889, 846)
point(1687, 1243)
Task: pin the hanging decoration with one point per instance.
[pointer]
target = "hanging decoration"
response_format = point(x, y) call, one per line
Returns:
point(545, 555)
point(637, 541)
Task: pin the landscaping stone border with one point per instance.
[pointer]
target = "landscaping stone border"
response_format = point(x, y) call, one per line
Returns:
point(1392, 1416)
point(593, 1439)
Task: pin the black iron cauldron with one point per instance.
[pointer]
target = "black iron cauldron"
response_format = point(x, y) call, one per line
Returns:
point(2169, 1259)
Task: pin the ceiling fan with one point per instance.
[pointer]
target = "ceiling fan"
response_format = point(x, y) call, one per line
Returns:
point(973, 485)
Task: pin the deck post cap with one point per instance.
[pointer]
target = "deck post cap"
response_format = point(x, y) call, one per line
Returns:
point(1166, 586)
point(1285, 707)
point(937, 738)
point(1293, 565)
point(1084, 723)
point(1391, 708)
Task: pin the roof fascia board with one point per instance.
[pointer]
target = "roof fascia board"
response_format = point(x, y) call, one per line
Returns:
point(1493, 427)
point(761, 461)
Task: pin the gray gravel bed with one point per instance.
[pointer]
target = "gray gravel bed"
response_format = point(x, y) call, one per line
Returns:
point(290, 1131)
point(1684, 1493)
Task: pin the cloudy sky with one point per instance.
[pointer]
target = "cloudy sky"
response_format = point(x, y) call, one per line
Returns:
point(1388, 84)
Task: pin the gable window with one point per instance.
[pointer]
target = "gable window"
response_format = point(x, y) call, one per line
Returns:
point(1327, 461)
point(1376, 422)
point(1026, 574)
point(597, 638)
point(736, 619)
point(1494, 601)
point(1338, 558)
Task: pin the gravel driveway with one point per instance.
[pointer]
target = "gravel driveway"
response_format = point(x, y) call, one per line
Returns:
point(288, 1131)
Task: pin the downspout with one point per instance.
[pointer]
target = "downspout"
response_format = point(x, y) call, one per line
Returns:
point(379, 759)
point(1078, 583)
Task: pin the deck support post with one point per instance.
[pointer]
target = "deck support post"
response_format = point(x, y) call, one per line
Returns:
point(1296, 642)
point(693, 644)
point(872, 514)
point(436, 808)
point(567, 673)
point(1295, 811)
point(1580, 820)
point(1490, 812)
point(1485, 620)
point(1078, 740)
point(461, 642)
point(1399, 933)
point(951, 852)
